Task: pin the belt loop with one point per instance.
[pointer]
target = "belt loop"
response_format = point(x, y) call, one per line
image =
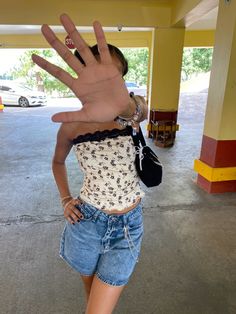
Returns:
point(125, 219)
point(95, 215)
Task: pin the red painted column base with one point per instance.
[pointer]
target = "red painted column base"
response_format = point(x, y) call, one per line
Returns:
point(216, 187)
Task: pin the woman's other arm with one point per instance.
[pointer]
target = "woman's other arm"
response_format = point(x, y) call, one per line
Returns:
point(130, 114)
point(62, 149)
point(144, 107)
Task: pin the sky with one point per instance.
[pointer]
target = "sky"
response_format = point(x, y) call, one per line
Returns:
point(9, 58)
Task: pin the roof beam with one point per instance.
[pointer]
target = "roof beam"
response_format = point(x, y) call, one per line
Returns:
point(185, 13)
point(120, 39)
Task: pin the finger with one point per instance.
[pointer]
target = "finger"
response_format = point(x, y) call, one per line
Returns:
point(72, 211)
point(61, 49)
point(79, 42)
point(86, 114)
point(70, 220)
point(77, 213)
point(104, 52)
point(69, 215)
point(74, 217)
point(77, 201)
point(54, 70)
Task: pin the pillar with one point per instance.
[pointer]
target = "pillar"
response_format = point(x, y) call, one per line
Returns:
point(216, 166)
point(165, 75)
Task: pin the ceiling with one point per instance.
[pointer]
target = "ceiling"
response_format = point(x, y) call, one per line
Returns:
point(206, 22)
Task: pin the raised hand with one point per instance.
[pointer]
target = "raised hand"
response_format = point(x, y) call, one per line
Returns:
point(99, 85)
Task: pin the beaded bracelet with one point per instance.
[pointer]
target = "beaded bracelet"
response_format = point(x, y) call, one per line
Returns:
point(135, 118)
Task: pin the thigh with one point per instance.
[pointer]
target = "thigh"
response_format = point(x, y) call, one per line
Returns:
point(103, 297)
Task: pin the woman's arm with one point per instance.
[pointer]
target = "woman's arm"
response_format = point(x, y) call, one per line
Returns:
point(144, 107)
point(62, 149)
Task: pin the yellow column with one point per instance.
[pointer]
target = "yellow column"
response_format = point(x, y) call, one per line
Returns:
point(166, 62)
point(217, 164)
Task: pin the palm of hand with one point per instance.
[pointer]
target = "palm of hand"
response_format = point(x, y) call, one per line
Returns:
point(100, 89)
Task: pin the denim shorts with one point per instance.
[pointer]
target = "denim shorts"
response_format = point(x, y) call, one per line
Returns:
point(107, 245)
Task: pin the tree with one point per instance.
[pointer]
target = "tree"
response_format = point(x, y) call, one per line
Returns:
point(202, 59)
point(138, 64)
point(196, 60)
point(35, 77)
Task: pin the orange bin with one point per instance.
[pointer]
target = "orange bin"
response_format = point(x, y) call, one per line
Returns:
point(1, 105)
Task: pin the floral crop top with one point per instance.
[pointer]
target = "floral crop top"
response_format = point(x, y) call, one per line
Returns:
point(107, 160)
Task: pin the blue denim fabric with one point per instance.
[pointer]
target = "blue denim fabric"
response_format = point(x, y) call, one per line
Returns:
point(107, 245)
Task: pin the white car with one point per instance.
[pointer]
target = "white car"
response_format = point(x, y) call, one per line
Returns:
point(137, 90)
point(13, 93)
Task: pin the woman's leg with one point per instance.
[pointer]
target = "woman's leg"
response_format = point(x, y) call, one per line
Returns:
point(103, 297)
point(87, 281)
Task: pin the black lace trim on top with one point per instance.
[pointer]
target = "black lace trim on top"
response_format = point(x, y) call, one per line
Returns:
point(102, 135)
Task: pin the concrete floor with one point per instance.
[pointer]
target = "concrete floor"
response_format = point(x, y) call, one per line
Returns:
point(188, 260)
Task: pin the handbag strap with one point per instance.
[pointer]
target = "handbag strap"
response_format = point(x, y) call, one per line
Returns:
point(138, 138)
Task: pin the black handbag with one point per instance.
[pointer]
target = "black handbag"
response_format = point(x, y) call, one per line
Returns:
point(147, 163)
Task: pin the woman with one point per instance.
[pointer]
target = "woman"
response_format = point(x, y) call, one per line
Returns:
point(103, 233)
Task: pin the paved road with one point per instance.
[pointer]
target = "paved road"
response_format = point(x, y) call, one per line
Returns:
point(188, 259)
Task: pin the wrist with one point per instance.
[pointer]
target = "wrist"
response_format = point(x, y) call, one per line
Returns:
point(67, 203)
point(130, 111)
point(136, 116)
point(65, 199)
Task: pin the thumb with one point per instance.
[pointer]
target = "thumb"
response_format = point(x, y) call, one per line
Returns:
point(71, 116)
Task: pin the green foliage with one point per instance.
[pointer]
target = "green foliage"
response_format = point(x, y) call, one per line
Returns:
point(138, 64)
point(32, 75)
point(196, 60)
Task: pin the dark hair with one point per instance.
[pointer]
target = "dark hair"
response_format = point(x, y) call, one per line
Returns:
point(114, 51)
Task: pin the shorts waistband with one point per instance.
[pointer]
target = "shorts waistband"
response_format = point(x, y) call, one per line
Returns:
point(95, 212)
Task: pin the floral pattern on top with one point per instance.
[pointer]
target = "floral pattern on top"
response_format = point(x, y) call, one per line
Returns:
point(110, 177)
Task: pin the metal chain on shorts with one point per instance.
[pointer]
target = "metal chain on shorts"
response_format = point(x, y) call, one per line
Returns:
point(130, 243)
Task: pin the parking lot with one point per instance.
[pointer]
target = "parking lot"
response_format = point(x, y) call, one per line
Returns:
point(188, 259)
